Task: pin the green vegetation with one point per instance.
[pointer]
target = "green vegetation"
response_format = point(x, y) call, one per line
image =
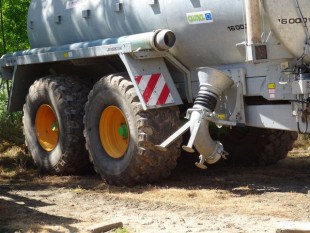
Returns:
point(121, 230)
point(13, 20)
point(10, 124)
point(13, 25)
point(15, 163)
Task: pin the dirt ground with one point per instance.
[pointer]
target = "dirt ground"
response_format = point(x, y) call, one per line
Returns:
point(220, 199)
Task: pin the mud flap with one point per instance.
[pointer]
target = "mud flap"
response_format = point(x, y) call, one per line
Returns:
point(152, 81)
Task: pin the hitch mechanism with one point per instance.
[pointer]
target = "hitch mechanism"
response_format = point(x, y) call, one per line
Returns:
point(212, 84)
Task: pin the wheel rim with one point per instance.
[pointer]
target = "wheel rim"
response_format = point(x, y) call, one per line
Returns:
point(46, 125)
point(114, 132)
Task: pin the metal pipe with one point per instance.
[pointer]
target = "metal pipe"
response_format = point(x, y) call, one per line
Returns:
point(210, 150)
point(164, 40)
point(212, 84)
point(253, 22)
point(158, 40)
point(161, 40)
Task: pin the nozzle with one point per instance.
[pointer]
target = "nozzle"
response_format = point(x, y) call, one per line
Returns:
point(212, 85)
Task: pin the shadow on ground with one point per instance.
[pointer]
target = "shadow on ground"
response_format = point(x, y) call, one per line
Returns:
point(12, 205)
point(289, 175)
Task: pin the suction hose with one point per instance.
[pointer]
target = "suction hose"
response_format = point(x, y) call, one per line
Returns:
point(212, 84)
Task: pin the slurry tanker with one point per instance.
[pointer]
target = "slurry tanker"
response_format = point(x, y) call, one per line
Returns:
point(120, 82)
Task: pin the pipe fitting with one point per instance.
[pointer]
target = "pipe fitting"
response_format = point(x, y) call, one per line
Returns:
point(212, 85)
point(210, 151)
point(213, 80)
point(164, 40)
point(205, 99)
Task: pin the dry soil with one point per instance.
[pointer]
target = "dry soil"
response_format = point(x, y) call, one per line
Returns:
point(221, 199)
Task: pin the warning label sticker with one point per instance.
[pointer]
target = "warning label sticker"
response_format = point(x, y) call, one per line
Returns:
point(272, 90)
point(271, 86)
point(199, 17)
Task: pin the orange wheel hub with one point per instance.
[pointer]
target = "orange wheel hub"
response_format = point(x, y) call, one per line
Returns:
point(114, 132)
point(46, 126)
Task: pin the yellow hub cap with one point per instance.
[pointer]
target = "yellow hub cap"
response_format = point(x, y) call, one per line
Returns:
point(114, 132)
point(46, 126)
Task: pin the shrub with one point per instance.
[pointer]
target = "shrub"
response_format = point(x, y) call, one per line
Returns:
point(10, 123)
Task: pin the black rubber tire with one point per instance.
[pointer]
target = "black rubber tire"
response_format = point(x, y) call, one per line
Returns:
point(67, 97)
point(255, 146)
point(142, 162)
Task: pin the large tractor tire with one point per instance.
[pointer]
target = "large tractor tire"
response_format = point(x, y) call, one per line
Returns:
point(53, 125)
point(121, 136)
point(255, 146)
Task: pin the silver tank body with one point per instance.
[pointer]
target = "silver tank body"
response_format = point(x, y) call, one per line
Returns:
point(59, 22)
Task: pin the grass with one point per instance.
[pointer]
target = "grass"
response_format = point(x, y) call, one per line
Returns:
point(79, 190)
point(16, 165)
point(302, 141)
point(121, 230)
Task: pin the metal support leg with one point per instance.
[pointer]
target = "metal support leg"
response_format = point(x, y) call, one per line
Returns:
point(189, 146)
point(173, 137)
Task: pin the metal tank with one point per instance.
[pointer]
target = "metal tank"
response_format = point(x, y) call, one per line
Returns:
point(200, 41)
point(287, 20)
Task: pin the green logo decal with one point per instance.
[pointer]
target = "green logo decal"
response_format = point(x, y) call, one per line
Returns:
point(199, 17)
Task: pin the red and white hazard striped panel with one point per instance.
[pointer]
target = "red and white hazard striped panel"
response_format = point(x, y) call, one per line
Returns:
point(154, 89)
